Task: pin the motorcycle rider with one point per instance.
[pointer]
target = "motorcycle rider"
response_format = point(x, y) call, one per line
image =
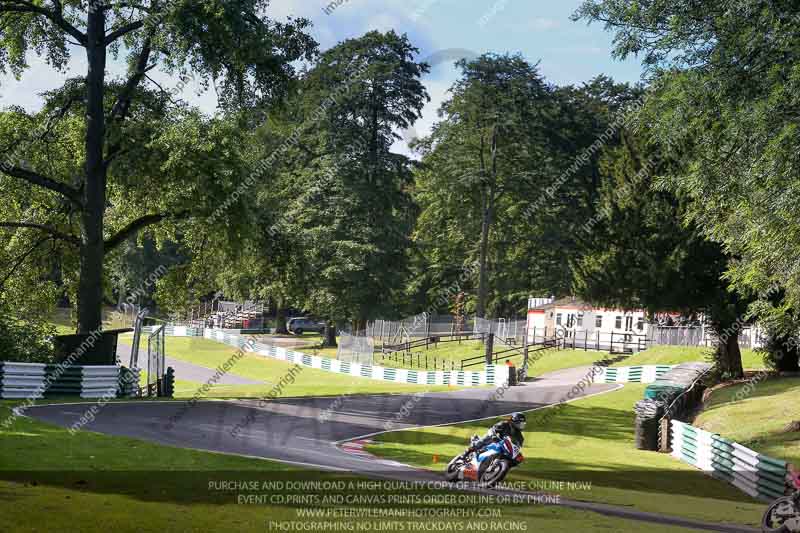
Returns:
point(511, 427)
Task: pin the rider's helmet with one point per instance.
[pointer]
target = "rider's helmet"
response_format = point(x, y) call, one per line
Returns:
point(518, 420)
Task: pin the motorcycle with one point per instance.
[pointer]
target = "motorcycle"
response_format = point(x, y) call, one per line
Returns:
point(783, 515)
point(488, 466)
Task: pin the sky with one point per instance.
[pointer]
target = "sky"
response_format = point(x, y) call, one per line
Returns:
point(444, 30)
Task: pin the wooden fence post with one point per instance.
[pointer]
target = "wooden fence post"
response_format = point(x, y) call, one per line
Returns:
point(664, 440)
point(489, 348)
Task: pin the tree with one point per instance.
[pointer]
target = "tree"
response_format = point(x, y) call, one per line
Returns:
point(488, 145)
point(543, 188)
point(640, 253)
point(248, 57)
point(343, 191)
point(724, 91)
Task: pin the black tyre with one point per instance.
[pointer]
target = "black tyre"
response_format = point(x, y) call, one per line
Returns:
point(496, 472)
point(776, 515)
point(451, 472)
point(298, 332)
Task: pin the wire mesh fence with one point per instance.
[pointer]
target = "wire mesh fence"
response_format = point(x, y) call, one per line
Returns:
point(355, 348)
point(749, 336)
point(395, 332)
point(507, 330)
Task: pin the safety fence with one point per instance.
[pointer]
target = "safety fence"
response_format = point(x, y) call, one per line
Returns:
point(491, 375)
point(631, 374)
point(180, 331)
point(750, 336)
point(37, 380)
point(355, 348)
point(759, 476)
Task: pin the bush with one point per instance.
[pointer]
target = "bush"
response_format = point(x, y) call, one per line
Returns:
point(781, 352)
point(26, 341)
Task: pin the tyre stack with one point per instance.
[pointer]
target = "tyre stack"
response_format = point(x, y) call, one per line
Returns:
point(660, 395)
point(648, 416)
point(674, 383)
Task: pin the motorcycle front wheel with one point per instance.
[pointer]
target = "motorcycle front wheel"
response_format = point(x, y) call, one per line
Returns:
point(451, 472)
point(776, 514)
point(496, 472)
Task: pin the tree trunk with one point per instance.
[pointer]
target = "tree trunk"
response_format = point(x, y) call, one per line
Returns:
point(480, 309)
point(90, 283)
point(728, 357)
point(330, 335)
point(280, 318)
point(486, 224)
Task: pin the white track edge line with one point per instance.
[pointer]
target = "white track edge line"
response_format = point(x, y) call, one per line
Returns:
point(411, 428)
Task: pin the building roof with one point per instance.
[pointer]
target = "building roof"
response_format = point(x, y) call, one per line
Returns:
point(567, 301)
point(570, 302)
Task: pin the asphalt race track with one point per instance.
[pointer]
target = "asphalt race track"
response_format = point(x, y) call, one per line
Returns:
point(306, 431)
point(187, 371)
point(272, 429)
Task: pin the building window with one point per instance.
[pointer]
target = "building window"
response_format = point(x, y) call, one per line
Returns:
point(640, 323)
point(628, 323)
point(618, 322)
point(558, 319)
point(580, 320)
point(598, 321)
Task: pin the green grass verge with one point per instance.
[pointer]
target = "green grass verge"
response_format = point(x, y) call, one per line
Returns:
point(755, 416)
point(541, 362)
point(674, 355)
point(551, 360)
point(308, 382)
point(51, 480)
point(589, 441)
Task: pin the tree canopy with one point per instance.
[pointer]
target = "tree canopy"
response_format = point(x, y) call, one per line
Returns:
point(133, 140)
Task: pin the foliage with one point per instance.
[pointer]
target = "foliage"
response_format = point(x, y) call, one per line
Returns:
point(24, 340)
point(338, 218)
point(534, 186)
point(480, 157)
point(724, 93)
point(103, 148)
point(779, 322)
point(641, 253)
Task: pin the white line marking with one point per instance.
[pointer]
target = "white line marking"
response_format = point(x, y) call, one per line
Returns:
point(619, 386)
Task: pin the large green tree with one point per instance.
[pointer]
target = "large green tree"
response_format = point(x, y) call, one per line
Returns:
point(248, 57)
point(488, 148)
point(638, 251)
point(724, 90)
point(340, 206)
point(507, 177)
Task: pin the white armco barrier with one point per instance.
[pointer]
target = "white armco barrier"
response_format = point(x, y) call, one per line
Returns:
point(491, 374)
point(759, 476)
point(631, 374)
point(36, 380)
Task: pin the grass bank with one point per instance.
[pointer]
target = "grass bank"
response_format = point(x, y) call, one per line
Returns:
point(589, 443)
point(307, 382)
point(51, 480)
point(674, 355)
point(756, 415)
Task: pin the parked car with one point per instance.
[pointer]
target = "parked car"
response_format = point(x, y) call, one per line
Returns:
point(302, 324)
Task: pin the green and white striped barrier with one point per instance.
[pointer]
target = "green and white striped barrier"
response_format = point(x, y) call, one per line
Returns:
point(36, 380)
point(491, 375)
point(759, 476)
point(631, 374)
